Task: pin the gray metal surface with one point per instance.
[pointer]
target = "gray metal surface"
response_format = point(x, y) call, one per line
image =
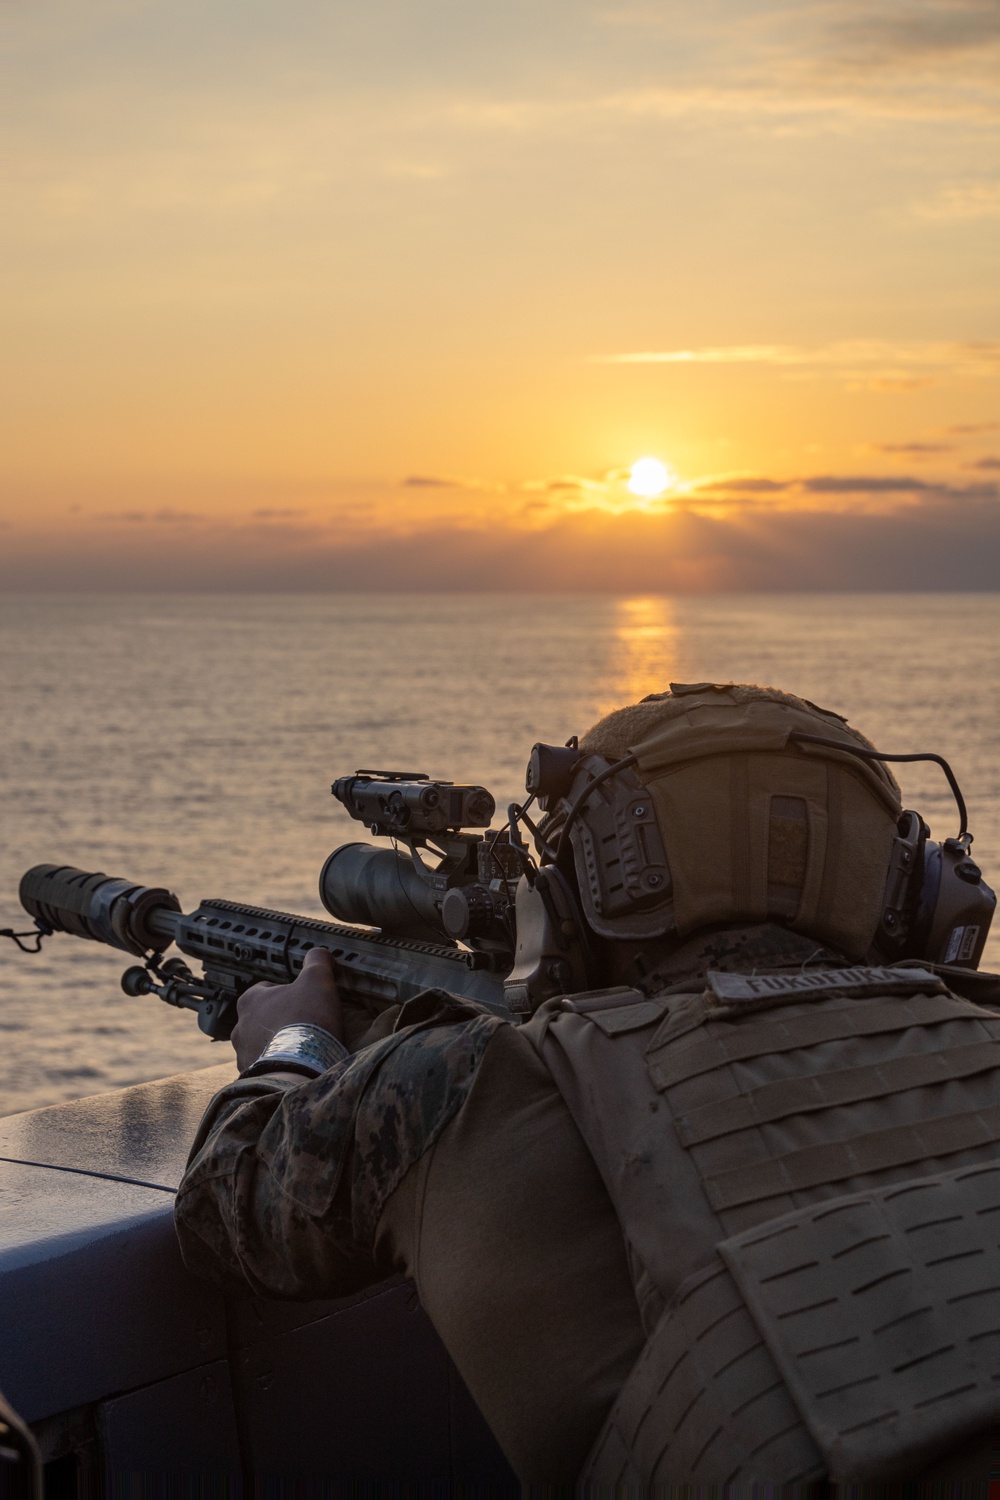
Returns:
point(93, 1295)
point(364, 1393)
point(184, 1424)
point(140, 1134)
point(128, 1364)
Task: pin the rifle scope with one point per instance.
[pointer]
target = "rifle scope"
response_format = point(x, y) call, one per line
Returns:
point(134, 918)
point(380, 888)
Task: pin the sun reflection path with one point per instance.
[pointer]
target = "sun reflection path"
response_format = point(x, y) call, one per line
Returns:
point(642, 655)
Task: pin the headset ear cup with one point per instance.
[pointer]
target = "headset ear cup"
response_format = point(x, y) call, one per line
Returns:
point(903, 884)
point(554, 955)
point(917, 882)
point(582, 936)
point(955, 909)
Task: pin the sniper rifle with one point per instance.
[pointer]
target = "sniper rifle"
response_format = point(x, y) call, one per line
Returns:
point(402, 916)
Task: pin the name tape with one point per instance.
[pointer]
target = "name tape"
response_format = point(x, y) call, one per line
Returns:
point(734, 988)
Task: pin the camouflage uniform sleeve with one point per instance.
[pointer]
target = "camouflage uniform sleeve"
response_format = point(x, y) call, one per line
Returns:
point(286, 1182)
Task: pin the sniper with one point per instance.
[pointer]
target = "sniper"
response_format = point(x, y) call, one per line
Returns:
point(715, 1201)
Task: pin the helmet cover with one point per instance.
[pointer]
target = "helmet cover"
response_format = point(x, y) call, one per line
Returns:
point(756, 826)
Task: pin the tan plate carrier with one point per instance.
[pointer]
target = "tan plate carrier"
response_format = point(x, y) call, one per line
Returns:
point(807, 1173)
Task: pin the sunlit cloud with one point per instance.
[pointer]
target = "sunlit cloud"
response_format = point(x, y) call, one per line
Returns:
point(417, 171)
point(166, 515)
point(431, 482)
point(974, 200)
point(840, 494)
point(933, 537)
point(741, 484)
point(235, 151)
point(536, 504)
point(914, 450)
point(448, 482)
point(614, 492)
point(869, 361)
point(889, 484)
point(896, 32)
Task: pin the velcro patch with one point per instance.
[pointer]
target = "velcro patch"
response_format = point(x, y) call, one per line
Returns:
point(584, 1001)
point(740, 989)
point(616, 1010)
point(628, 1017)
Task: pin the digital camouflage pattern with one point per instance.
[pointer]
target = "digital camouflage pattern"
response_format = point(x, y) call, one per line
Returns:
point(286, 1182)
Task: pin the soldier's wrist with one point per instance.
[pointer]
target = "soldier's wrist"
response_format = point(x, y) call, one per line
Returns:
point(301, 1049)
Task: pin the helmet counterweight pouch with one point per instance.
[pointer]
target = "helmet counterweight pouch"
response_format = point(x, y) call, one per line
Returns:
point(621, 862)
point(754, 826)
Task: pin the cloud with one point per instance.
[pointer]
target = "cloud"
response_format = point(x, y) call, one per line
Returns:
point(278, 513)
point(929, 537)
point(889, 383)
point(222, 131)
point(896, 32)
point(449, 482)
point(976, 200)
point(969, 429)
point(431, 482)
point(250, 139)
point(166, 515)
point(862, 484)
point(882, 484)
point(799, 492)
point(915, 449)
point(869, 360)
point(990, 463)
point(730, 354)
point(743, 484)
point(585, 486)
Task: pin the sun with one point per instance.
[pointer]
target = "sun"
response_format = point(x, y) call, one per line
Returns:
point(649, 478)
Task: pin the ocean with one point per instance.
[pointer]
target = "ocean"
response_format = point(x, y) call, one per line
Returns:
point(188, 740)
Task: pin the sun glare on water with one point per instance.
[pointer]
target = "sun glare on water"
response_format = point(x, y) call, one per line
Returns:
point(649, 478)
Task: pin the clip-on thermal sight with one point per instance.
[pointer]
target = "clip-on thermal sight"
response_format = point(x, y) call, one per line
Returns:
point(466, 893)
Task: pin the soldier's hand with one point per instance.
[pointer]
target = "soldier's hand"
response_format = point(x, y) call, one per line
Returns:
point(310, 999)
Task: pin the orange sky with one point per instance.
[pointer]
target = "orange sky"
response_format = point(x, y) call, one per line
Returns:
point(322, 294)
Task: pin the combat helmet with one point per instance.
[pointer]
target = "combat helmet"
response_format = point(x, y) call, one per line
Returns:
point(756, 822)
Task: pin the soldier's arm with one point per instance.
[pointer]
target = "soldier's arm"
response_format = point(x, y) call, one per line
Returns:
point(287, 1179)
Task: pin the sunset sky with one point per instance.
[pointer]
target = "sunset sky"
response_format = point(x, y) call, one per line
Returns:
point(325, 294)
